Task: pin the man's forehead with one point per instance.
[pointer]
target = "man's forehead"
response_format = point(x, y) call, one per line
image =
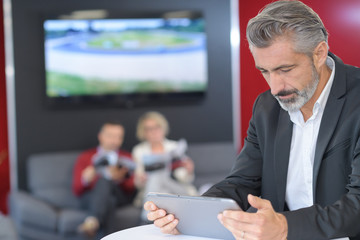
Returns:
point(276, 55)
point(112, 127)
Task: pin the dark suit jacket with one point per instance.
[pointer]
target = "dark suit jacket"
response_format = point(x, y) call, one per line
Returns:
point(261, 167)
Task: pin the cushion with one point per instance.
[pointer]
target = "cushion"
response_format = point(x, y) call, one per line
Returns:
point(7, 229)
point(60, 197)
point(32, 211)
point(212, 157)
point(50, 177)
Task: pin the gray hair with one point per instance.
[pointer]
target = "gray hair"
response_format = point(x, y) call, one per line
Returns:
point(287, 18)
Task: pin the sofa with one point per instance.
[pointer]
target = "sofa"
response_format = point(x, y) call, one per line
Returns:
point(7, 229)
point(49, 210)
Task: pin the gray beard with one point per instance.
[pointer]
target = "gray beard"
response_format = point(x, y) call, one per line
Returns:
point(301, 97)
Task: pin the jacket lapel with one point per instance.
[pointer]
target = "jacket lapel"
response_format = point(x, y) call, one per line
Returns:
point(281, 155)
point(330, 117)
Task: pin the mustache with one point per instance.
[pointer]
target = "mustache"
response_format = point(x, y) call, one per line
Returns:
point(286, 92)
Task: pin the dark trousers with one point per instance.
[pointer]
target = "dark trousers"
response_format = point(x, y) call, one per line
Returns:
point(102, 200)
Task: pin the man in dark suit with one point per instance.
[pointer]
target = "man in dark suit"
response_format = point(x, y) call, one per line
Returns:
point(302, 152)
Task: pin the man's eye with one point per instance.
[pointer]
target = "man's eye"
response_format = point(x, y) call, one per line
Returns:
point(286, 70)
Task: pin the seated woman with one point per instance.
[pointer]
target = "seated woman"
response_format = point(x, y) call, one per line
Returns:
point(161, 164)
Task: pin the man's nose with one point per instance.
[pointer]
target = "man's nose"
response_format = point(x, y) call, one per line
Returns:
point(276, 83)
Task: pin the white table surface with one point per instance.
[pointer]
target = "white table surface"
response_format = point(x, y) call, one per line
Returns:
point(148, 232)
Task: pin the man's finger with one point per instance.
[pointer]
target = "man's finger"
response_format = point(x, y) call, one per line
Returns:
point(240, 216)
point(170, 228)
point(258, 203)
point(150, 206)
point(235, 225)
point(163, 221)
point(154, 215)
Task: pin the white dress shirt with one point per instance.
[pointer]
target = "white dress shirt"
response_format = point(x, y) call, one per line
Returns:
point(299, 187)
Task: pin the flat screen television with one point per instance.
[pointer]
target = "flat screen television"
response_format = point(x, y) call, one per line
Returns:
point(126, 60)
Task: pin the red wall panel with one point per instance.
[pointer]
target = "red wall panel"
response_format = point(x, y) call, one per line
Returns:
point(4, 159)
point(341, 18)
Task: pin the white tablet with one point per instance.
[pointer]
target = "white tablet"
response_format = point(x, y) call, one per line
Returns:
point(197, 215)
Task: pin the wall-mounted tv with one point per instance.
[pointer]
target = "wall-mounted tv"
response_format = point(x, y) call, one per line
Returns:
point(127, 61)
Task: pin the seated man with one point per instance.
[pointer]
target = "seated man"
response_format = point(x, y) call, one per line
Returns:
point(103, 177)
point(302, 150)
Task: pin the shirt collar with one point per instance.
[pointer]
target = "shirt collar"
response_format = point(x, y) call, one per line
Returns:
point(296, 117)
point(326, 91)
point(101, 150)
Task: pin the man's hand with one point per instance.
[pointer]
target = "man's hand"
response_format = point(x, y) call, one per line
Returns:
point(166, 222)
point(117, 174)
point(264, 224)
point(188, 164)
point(88, 174)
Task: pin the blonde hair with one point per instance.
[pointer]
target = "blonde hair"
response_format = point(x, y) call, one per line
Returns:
point(155, 116)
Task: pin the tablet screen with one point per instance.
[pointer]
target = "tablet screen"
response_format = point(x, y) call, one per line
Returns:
point(197, 215)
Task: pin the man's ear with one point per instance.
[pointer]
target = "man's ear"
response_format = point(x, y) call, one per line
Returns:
point(320, 54)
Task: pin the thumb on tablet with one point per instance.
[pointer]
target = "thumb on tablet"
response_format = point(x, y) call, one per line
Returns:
point(258, 203)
